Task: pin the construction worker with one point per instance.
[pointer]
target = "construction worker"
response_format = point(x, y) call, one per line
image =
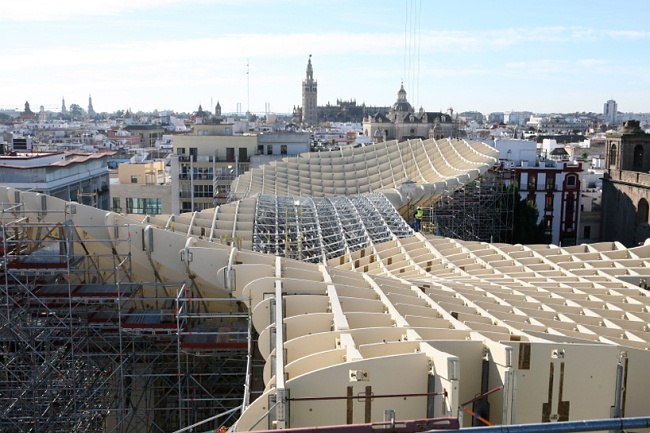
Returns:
point(418, 219)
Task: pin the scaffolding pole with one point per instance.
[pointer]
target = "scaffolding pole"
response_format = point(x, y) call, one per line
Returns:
point(87, 345)
point(481, 210)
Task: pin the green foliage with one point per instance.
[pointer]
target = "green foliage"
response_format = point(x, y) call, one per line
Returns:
point(525, 228)
point(76, 112)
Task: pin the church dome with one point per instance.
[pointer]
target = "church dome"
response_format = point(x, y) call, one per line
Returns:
point(402, 104)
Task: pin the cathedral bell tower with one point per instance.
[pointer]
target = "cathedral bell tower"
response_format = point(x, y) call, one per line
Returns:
point(309, 97)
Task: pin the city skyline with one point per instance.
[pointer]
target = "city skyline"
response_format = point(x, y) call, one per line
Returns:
point(252, 55)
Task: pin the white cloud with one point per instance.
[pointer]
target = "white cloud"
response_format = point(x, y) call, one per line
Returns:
point(48, 10)
point(628, 34)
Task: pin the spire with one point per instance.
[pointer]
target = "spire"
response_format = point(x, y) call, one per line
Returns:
point(309, 97)
point(310, 70)
point(91, 110)
point(402, 104)
point(401, 94)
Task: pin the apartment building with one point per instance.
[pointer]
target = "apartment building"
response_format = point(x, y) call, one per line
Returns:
point(141, 188)
point(553, 186)
point(73, 176)
point(204, 164)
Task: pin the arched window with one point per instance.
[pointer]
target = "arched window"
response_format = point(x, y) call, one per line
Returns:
point(612, 155)
point(571, 181)
point(637, 163)
point(642, 211)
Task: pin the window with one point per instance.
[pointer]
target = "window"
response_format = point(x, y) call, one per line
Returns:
point(203, 173)
point(571, 181)
point(569, 212)
point(150, 178)
point(548, 203)
point(570, 206)
point(144, 206)
point(532, 182)
point(230, 154)
point(586, 232)
point(637, 163)
point(550, 182)
point(642, 211)
point(612, 154)
point(203, 190)
point(134, 178)
point(283, 149)
point(185, 173)
point(117, 206)
point(548, 225)
point(180, 151)
point(269, 149)
point(243, 154)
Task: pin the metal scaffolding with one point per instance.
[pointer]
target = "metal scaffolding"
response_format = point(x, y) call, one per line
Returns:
point(317, 229)
point(481, 210)
point(87, 346)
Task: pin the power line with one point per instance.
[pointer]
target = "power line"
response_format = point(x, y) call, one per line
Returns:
point(412, 40)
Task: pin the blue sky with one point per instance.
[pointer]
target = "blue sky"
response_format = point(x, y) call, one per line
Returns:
point(543, 56)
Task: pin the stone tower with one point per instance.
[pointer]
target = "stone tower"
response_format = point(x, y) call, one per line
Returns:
point(309, 97)
point(91, 110)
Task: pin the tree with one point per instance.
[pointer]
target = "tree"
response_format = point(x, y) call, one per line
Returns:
point(76, 112)
point(525, 229)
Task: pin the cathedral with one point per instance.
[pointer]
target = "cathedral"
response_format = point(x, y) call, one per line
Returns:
point(402, 122)
point(626, 217)
point(397, 122)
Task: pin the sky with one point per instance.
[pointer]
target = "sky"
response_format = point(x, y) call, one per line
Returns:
point(251, 55)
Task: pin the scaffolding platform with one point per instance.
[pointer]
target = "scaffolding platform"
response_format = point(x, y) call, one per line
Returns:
point(481, 210)
point(88, 345)
point(81, 292)
point(223, 338)
point(150, 320)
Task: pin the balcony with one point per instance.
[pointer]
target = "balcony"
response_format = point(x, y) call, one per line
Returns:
point(632, 177)
point(225, 176)
point(196, 176)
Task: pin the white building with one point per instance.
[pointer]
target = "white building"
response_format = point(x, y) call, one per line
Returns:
point(403, 122)
point(610, 111)
point(75, 176)
point(554, 187)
